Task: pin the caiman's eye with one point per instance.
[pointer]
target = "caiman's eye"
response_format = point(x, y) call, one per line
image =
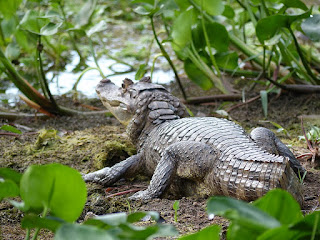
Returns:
point(114, 103)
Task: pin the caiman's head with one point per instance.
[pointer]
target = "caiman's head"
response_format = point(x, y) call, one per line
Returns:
point(138, 105)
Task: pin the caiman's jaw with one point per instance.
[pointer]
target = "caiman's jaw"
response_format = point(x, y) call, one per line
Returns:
point(115, 100)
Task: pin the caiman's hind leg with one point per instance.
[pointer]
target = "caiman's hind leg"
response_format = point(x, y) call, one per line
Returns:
point(189, 160)
point(267, 140)
point(110, 175)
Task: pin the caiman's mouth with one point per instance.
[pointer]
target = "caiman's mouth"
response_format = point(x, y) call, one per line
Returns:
point(114, 100)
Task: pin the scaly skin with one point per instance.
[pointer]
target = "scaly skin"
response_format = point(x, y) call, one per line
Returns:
point(204, 156)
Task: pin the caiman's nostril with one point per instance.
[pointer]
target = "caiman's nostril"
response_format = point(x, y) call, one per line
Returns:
point(105, 80)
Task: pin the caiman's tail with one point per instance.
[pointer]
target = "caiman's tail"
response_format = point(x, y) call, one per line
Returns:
point(249, 180)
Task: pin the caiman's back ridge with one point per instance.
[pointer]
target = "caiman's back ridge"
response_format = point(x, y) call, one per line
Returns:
point(193, 155)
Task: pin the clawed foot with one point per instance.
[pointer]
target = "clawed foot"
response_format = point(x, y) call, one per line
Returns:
point(141, 195)
point(100, 176)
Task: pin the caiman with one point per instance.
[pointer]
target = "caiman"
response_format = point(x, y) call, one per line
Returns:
point(193, 155)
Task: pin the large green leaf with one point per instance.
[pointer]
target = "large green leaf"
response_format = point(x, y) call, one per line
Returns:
point(295, 4)
point(217, 35)
point(308, 224)
point(100, 26)
point(241, 212)
point(8, 173)
point(50, 29)
point(34, 221)
point(181, 30)
point(84, 15)
point(81, 232)
point(212, 7)
point(212, 232)
point(9, 8)
point(268, 27)
point(280, 233)
point(227, 60)
point(196, 75)
point(32, 22)
point(280, 205)
point(183, 4)
point(59, 188)
point(8, 188)
point(311, 27)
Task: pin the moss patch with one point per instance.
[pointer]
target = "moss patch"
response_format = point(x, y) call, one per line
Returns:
point(86, 150)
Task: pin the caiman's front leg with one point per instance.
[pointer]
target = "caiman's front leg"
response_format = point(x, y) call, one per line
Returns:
point(190, 160)
point(109, 175)
point(268, 141)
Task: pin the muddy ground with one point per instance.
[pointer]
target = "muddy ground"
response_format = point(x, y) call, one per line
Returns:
point(88, 143)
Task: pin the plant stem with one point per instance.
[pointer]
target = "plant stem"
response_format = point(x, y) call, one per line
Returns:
point(83, 72)
point(313, 79)
point(43, 76)
point(251, 14)
point(154, 62)
point(27, 234)
point(95, 58)
point(44, 213)
point(22, 84)
point(165, 54)
point(212, 58)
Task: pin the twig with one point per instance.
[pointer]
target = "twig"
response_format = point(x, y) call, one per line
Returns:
point(299, 88)
point(124, 192)
point(207, 99)
point(244, 103)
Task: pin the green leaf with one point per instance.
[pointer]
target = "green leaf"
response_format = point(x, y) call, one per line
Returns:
point(12, 52)
point(311, 27)
point(81, 232)
point(228, 12)
point(295, 4)
point(176, 205)
point(8, 26)
point(217, 34)
point(100, 26)
point(134, 217)
point(280, 233)
point(181, 30)
point(227, 60)
point(8, 173)
point(45, 186)
point(196, 75)
point(281, 205)
point(141, 71)
point(114, 219)
point(241, 212)
point(10, 128)
point(50, 29)
point(211, 232)
point(212, 7)
point(145, 10)
point(8, 188)
point(32, 22)
point(268, 27)
point(34, 221)
point(23, 40)
point(84, 15)
point(264, 102)
point(9, 8)
point(308, 224)
point(183, 4)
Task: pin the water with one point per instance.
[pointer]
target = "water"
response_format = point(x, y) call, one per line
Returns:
point(64, 82)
